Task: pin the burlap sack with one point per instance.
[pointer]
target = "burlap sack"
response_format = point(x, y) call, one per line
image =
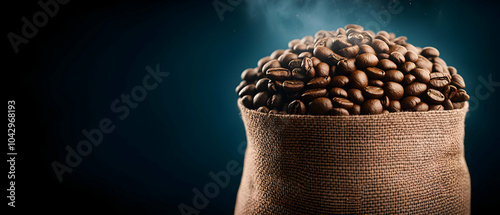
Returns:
point(397, 163)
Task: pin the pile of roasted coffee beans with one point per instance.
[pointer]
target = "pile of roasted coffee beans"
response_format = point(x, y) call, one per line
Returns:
point(351, 71)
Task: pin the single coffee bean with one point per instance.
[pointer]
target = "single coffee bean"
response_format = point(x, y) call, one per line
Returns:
point(401, 40)
point(380, 46)
point(415, 89)
point(452, 70)
point(355, 38)
point(434, 96)
point(408, 79)
point(436, 67)
point(327, 55)
point(393, 90)
point(247, 101)
point(460, 96)
point(386, 64)
point(412, 48)
point(292, 86)
point(355, 95)
point(247, 90)
point(372, 106)
point(295, 63)
point(307, 39)
point(458, 105)
point(249, 75)
point(385, 101)
point(436, 107)
point(307, 64)
point(376, 82)
point(286, 58)
point(275, 101)
point(299, 74)
point(366, 49)
point(319, 82)
point(398, 49)
point(315, 61)
point(263, 109)
point(241, 85)
point(458, 81)
point(320, 106)
point(349, 52)
point(311, 94)
point(339, 102)
point(366, 60)
point(439, 80)
point(271, 64)
point(346, 66)
point(374, 72)
point(322, 69)
point(296, 107)
point(261, 84)
point(423, 62)
point(385, 39)
point(337, 92)
point(411, 56)
point(441, 62)
point(262, 62)
point(409, 102)
point(339, 112)
point(305, 54)
point(333, 69)
point(381, 56)
point(271, 87)
point(278, 73)
point(422, 75)
point(372, 92)
point(341, 80)
point(394, 76)
point(355, 110)
point(293, 42)
point(299, 48)
point(407, 67)
point(340, 43)
point(422, 106)
point(358, 79)
point(276, 54)
point(260, 99)
point(325, 41)
point(397, 58)
point(430, 52)
point(447, 104)
point(394, 106)
point(449, 91)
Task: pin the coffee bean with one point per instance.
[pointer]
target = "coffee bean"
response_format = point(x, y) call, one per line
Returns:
point(293, 42)
point(436, 107)
point(315, 61)
point(278, 73)
point(398, 49)
point(322, 69)
point(372, 106)
point(355, 95)
point(341, 80)
point(325, 41)
point(358, 79)
point(327, 55)
point(386, 64)
point(275, 101)
point(355, 110)
point(434, 96)
point(311, 94)
point(436, 67)
point(366, 49)
point(261, 84)
point(408, 79)
point(339, 102)
point(374, 72)
point(260, 99)
point(458, 105)
point(333, 69)
point(411, 56)
point(249, 75)
point(376, 82)
point(415, 89)
point(393, 90)
point(346, 66)
point(307, 64)
point(441, 62)
point(458, 81)
point(394, 76)
point(383, 34)
point(409, 102)
point(385, 101)
point(349, 52)
point(295, 63)
point(305, 54)
point(271, 64)
point(271, 87)
point(372, 92)
point(410, 47)
point(366, 60)
point(276, 54)
point(286, 58)
point(299, 48)
point(385, 39)
point(449, 91)
point(338, 92)
point(354, 26)
point(397, 58)
point(240, 86)
point(401, 40)
point(460, 96)
point(247, 90)
point(447, 104)
point(452, 70)
point(422, 75)
point(340, 43)
point(292, 86)
point(263, 109)
point(319, 82)
point(339, 112)
point(247, 101)
point(320, 106)
point(422, 106)
point(262, 62)
point(423, 62)
point(439, 80)
point(429, 52)
point(298, 73)
point(296, 107)
point(380, 46)
point(381, 56)
point(394, 106)
point(407, 67)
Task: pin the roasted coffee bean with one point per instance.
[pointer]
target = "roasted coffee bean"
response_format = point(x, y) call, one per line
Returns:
point(247, 90)
point(450, 91)
point(394, 106)
point(416, 88)
point(439, 80)
point(340, 43)
point(374, 72)
point(296, 107)
point(452, 70)
point(436, 107)
point(339, 102)
point(355, 110)
point(423, 62)
point(407, 67)
point(458, 105)
point(260, 99)
point(327, 55)
point(333, 69)
point(385, 39)
point(447, 104)
point(357, 79)
point(383, 33)
point(249, 75)
point(299, 48)
point(319, 82)
point(376, 82)
point(434, 96)
point(298, 73)
point(398, 49)
point(430, 52)
point(276, 54)
point(366, 60)
point(422, 75)
point(240, 86)
point(400, 40)
point(346, 66)
point(383, 56)
point(311, 94)
point(315, 61)
point(366, 49)
point(296, 63)
point(305, 54)
point(349, 52)
point(411, 56)
point(436, 67)
point(325, 41)
point(271, 64)
point(355, 95)
point(271, 87)
point(337, 92)
point(422, 106)
point(412, 48)
point(372, 92)
point(320, 106)
point(458, 81)
point(247, 101)
point(393, 90)
point(307, 64)
point(341, 80)
point(397, 58)
point(286, 58)
point(339, 112)
point(408, 79)
point(386, 64)
point(372, 106)
point(394, 76)
point(322, 69)
point(275, 101)
point(355, 38)
point(380, 46)
point(263, 109)
point(278, 73)
point(292, 86)
point(262, 62)
point(409, 102)
point(292, 43)
point(385, 101)
point(460, 96)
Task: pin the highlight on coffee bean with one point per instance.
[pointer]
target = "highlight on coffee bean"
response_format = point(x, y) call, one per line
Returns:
point(351, 71)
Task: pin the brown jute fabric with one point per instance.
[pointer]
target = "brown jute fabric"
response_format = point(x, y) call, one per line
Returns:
point(397, 163)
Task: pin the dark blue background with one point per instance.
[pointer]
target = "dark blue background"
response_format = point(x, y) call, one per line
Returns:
point(66, 77)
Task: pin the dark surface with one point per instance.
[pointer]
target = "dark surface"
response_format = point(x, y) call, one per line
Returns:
point(67, 76)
